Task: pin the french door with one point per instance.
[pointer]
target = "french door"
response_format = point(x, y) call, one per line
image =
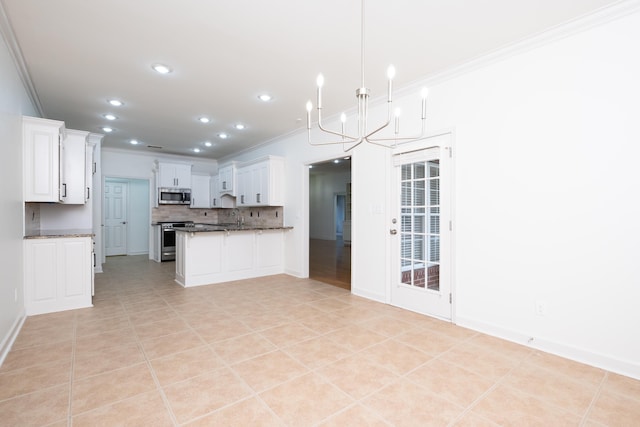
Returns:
point(420, 230)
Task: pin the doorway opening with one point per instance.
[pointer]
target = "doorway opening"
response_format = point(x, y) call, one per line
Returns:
point(126, 216)
point(330, 222)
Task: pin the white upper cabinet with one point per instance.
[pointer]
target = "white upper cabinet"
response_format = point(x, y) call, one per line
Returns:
point(41, 156)
point(174, 175)
point(200, 191)
point(261, 183)
point(73, 171)
point(227, 179)
point(214, 192)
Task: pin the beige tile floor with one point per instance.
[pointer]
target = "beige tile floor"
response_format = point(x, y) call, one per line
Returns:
point(283, 351)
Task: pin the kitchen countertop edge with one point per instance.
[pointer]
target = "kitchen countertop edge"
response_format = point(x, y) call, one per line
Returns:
point(213, 229)
point(52, 234)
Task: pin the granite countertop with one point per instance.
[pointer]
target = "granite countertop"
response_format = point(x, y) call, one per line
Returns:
point(202, 228)
point(51, 234)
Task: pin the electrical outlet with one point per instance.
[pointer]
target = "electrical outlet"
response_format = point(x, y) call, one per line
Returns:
point(541, 308)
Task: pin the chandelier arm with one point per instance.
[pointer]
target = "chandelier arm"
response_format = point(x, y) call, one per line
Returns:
point(401, 138)
point(332, 142)
point(322, 128)
point(373, 132)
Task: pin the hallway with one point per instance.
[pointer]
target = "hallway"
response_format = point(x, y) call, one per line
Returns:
point(330, 262)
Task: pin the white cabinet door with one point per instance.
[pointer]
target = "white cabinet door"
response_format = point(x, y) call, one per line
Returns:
point(200, 191)
point(227, 180)
point(183, 176)
point(215, 193)
point(58, 274)
point(269, 249)
point(72, 168)
point(243, 189)
point(174, 175)
point(88, 172)
point(41, 159)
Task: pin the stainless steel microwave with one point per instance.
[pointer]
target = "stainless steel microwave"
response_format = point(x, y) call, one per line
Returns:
point(174, 196)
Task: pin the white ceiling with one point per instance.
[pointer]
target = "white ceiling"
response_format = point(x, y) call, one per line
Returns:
point(79, 53)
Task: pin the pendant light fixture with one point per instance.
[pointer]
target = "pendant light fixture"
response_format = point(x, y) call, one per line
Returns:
point(362, 94)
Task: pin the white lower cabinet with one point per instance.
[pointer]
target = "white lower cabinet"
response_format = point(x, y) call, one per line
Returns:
point(204, 258)
point(58, 274)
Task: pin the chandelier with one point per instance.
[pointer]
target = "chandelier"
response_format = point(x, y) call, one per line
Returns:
point(362, 94)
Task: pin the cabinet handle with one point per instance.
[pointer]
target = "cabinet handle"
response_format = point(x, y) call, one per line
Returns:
point(258, 197)
point(64, 190)
point(224, 185)
point(88, 193)
point(94, 260)
point(242, 199)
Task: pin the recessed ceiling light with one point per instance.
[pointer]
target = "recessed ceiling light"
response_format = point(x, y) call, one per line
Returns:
point(223, 135)
point(109, 117)
point(161, 68)
point(347, 158)
point(239, 126)
point(264, 97)
point(204, 119)
point(116, 102)
point(107, 129)
point(208, 144)
point(196, 150)
point(336, 161)
point(134, 142)
point(310, 166)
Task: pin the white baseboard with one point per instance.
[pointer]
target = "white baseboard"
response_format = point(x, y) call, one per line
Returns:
point(368, 294)
point(9, 339)
point(612, 364)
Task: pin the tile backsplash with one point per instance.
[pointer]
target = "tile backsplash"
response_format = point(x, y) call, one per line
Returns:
point(267, 216)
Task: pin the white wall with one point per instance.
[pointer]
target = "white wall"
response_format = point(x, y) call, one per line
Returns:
point(14, 102)
point(546, 145)
point(322, 190)
point(546, 209)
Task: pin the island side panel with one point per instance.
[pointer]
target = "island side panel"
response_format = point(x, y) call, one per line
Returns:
point(209, 257)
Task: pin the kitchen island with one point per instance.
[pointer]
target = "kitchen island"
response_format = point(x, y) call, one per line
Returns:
point(207, 254)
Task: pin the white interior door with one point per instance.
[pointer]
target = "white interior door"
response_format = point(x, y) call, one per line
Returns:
point(115, 217)
point(420, 231)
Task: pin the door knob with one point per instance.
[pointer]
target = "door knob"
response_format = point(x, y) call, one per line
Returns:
point(393, 231)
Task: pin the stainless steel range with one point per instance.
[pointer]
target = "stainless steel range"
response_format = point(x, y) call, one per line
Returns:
point(168, 238)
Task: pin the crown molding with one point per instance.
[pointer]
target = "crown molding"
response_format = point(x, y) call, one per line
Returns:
point(576, 25)
point(18, 59)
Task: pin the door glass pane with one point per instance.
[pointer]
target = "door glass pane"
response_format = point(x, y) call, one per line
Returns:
point(420, 225)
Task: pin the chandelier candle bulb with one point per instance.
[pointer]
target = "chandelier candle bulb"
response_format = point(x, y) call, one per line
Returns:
point(320, 83)
point(425, 93)
point(391, 73)
point(309, 107)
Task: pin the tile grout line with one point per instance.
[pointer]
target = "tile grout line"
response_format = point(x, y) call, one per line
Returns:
point(74, 330)
point(594, 399)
